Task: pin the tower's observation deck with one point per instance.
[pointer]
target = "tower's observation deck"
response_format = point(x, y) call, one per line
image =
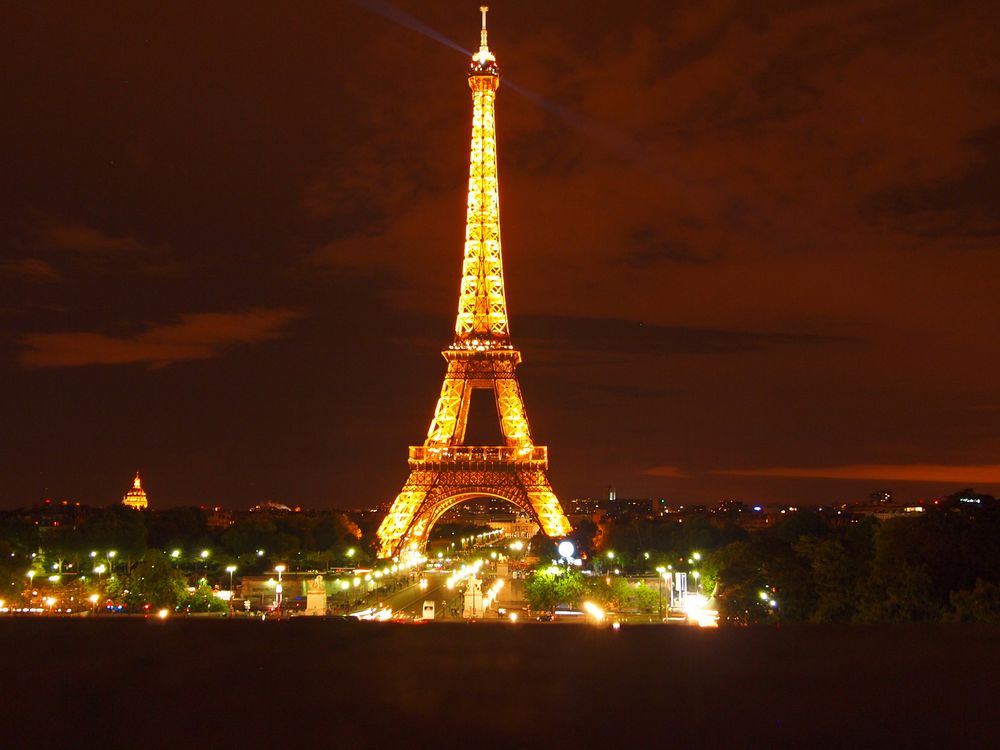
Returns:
point(444, 471)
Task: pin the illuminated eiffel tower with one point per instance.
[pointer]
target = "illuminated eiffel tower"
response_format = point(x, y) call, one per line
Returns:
point(444, 471)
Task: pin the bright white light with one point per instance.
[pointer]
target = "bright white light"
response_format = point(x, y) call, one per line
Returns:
point(697, 613)
point(163, 614)
point(594, 611)
point(566, 548)
point(513, 616)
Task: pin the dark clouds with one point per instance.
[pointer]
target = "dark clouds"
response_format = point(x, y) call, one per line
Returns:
point(193, 336)
point(737, 237)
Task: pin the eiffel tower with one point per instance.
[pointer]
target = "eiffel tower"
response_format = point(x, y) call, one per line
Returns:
point(444, 471)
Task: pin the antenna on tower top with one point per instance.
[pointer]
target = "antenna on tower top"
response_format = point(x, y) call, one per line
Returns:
point(484, 9)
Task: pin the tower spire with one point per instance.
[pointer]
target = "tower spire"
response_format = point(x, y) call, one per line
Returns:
point(482, 307)
point(483, 44)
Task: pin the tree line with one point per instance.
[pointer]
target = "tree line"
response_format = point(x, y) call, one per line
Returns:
point(939, 565)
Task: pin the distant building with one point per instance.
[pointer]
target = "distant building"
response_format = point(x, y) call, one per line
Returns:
point(270, 506)
point(883, 497)
point(519, 526)
point(218, 517)
point(614, 505)
point(135, 498)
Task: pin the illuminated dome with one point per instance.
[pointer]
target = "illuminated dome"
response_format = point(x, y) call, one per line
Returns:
point(135, 498)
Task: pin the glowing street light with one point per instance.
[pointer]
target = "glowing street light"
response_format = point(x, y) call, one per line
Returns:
point(594, 611)
point(230, 569)
point(175, 553)
point(277, 589)
point(204, 554)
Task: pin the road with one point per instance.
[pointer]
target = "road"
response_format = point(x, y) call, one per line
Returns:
point(410, 600)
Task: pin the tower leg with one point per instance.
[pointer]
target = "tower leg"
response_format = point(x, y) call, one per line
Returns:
point(545, 504)
point(398, 525)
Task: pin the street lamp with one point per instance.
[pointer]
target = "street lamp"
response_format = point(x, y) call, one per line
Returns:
point(111, 560)
point(566, 550)
point(230, 569)
point(277, 589)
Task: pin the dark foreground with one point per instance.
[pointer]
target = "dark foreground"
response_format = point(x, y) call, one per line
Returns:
point(301, 683)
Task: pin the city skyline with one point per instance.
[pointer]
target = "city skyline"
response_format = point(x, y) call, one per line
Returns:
point(750, 254)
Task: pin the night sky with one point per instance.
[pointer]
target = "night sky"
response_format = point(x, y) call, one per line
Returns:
point(752, 250)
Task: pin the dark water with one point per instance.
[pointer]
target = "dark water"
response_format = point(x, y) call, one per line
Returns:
point(220, 683)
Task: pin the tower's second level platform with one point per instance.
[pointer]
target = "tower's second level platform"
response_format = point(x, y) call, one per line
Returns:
point(471, 456)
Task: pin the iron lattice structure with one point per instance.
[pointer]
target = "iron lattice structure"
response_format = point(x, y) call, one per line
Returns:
point(444, 471)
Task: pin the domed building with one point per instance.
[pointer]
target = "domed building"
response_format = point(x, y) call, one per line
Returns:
point(135, 498)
